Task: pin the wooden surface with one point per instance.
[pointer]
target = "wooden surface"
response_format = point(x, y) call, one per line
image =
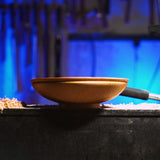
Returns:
point(53, 133)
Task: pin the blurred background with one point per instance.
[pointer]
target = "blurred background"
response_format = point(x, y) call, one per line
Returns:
point(97, 38)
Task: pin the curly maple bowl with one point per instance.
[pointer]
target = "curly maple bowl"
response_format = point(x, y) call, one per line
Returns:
point(86, 92)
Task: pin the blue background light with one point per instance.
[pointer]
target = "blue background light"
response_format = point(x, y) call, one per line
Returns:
point(97, 58)
point(118, 58)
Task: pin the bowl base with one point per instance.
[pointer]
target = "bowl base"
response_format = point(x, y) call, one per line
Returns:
point(79, 105)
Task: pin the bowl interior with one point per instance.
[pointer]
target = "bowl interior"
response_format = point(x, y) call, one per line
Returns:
point(64, 79)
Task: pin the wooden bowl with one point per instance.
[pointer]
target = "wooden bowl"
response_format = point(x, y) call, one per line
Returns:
point(80, 92)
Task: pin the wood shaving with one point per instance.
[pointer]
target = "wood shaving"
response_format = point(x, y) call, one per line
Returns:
point(9, 103)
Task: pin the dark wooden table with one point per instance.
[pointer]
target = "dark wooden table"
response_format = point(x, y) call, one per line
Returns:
point(52, 133)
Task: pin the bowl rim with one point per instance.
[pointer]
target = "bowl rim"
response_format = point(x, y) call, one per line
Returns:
point(62, 79)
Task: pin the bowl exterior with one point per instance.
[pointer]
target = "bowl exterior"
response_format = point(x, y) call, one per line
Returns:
point(64, 92)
